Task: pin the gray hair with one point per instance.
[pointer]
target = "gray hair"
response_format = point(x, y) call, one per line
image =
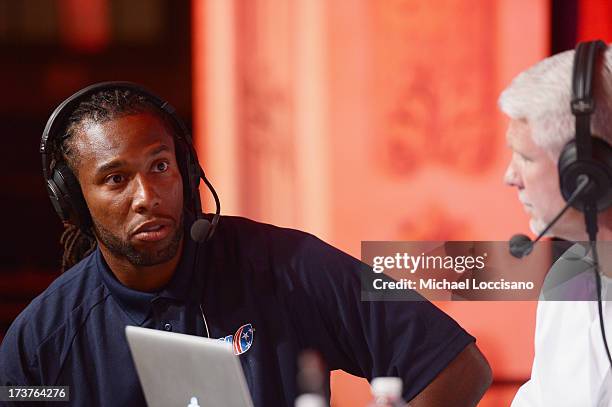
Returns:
point(541, 95)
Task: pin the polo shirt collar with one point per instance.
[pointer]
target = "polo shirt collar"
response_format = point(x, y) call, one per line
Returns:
point(137, 304)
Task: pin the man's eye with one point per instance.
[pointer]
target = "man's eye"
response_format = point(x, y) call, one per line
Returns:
point(161, 166)
point(114, 179)
point(522, 157)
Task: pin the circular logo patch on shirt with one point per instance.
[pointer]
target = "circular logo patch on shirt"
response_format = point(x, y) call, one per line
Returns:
point(242, 340)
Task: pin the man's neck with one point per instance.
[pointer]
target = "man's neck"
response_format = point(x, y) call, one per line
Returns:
point(142, 278)
point(604, 243)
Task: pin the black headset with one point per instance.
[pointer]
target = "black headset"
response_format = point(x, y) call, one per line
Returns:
point(63, 187)
point(586, 155)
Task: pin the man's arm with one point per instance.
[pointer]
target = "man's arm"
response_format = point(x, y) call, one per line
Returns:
point(414, 340)
point(462, 383)
point(15, 365)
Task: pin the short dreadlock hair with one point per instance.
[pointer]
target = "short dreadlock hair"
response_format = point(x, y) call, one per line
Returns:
point(100, 107)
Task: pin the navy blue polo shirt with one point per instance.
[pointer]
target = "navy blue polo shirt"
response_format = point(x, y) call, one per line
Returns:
point(296, 291)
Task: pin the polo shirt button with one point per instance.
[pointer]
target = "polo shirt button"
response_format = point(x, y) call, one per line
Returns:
point(168, 327)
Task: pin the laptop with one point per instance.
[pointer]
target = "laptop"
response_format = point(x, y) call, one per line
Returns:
point(187, 371)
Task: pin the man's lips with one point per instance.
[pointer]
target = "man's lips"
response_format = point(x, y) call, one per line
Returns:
point(524, 202)
point(153, 230)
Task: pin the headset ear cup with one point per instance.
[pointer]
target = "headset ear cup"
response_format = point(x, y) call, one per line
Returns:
point(58, 200)
point(599, 170)
point(67, 197)
point(602, 155)
point(568, 156)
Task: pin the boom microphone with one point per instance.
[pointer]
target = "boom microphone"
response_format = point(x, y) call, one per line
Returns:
point(199, 230)
point(521, 245)
point(203, 229)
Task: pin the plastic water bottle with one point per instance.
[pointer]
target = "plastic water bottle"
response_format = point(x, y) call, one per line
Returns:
point(193, 402)
point(311, 380)
point(311, 400)
point(387, 392)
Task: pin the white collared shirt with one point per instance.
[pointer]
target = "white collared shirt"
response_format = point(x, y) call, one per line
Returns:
point(570, 367)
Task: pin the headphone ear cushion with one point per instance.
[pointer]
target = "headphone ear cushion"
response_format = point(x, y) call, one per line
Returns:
point(598, 169)
point(67, 198)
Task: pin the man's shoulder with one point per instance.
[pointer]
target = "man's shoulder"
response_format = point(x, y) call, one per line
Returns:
point(291, 256)
point(68, 297)
point(266, 239)
point(248, 228)
point(70, 289)
point(571, 277)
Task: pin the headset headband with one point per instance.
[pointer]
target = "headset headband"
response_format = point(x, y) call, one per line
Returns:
point(583, 102)
point(57, 120)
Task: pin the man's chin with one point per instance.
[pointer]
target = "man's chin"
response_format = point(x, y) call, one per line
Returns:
point(537, 226)
point(142, 253)
point(152, 253)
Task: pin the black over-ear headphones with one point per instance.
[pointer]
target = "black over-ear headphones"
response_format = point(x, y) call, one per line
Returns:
point(63, 187)
point(585, 164)
point(586, 155)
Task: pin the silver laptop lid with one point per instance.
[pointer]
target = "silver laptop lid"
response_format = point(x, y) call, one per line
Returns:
point(187, 371)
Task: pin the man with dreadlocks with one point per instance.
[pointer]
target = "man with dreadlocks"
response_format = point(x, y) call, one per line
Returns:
point(128, 261)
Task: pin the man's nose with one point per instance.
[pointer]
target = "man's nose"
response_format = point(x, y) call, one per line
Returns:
point(146, 197)
point(511, 177)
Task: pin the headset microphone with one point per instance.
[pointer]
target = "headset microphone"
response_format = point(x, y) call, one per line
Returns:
point(521, 245)
point(199, 230)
